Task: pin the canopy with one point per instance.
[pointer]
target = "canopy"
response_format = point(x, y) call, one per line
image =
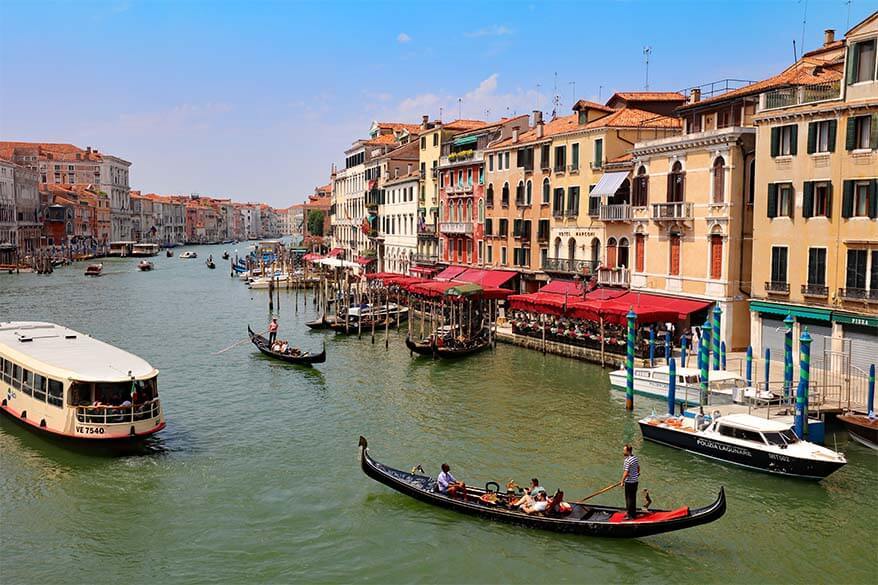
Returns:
point(336, 263)
point(609, 184)
point(365, 260)
point(561, 287)
point(311, 256)
point(488, 278)
point(425, 269)
point(450, 272)
point(435, 289)
point(465, 140)
point(336, 252)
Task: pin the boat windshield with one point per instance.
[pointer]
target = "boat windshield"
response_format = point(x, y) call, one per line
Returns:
point(113, 393)
point(782, 438)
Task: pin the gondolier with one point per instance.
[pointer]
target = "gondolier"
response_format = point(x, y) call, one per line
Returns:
point(630, 478)
point(272, 330)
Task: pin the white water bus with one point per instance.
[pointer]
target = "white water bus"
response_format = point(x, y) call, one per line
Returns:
point(653, 382)
point(71, 386)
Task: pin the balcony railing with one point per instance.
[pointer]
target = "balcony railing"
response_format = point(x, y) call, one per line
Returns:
point(671, 211)
point(802, 94)
point(105, 415)
point(614, 277)
point(620, 212)
point(427, 231)
point(456, 227)
point(858, 294)
point(570, 266)
point(459, 189)
point(777, 287)
point(461, 157)
point(571, 212)
point(426, 258)
point(815, 290)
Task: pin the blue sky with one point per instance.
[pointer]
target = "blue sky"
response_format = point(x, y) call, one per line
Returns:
point(255, 100)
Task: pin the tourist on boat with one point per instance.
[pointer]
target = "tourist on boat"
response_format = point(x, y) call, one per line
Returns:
point(448, 485)
point(535, 487)
point(701, 421)
point(284, 346)
point(630, 477)
point(272, 330)
point(536, 505)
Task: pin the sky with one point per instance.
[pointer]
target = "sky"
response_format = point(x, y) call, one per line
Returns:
point(255, 100)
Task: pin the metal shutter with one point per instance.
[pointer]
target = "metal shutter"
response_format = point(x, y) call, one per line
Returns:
point(773, 337)
point(818, 330)
point(864, 345)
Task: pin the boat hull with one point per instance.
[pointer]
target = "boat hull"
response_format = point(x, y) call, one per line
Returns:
point(424, 349)
point(861, 429)
point(766, 461)
point(303, 360)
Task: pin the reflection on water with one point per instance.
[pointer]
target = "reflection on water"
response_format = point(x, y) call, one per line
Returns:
point(255, 478)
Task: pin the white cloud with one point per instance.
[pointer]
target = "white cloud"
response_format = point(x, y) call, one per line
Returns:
point(494, 30)
point(403, 38)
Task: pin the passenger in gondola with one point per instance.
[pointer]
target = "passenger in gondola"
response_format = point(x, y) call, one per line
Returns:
point(536, 505)
point(448, 485)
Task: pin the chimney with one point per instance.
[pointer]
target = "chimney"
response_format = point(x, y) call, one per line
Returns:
point(88, 149)
point(694, 95)
point(514, 134)
point(828, 37)
point(424, 121)
point(538, 117)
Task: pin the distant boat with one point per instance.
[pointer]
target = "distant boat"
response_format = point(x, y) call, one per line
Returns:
point(863, 430)
point(302, 358)
point(225, 255)
point(188, 254)
point(210, 264)
point(169, 253)
point(94, 270)
point(145, 265)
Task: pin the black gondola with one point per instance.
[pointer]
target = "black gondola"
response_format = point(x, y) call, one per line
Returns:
point(210, 264)
point(169, 253)
point(429, 348)
point(591, 520)
point(321, 323)
point(305, 359)
point(225, 255)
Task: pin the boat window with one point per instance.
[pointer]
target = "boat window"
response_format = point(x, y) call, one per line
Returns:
point(39, 383)
point(789, 436)
point(681, 379)
point(3, 375)
point(774, 439)
point(16, 376)
point(56, 393)
point(660, 377)
point(692, 380)
point(26, 380)
point(726, 431)
point(40, 389)
point(746, 435)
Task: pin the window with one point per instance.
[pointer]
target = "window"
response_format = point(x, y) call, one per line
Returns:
point(784, 140)
point(504, 195)
point(716, 257)
point(544, 156)
point(594, 203)
point(641, 188)
point(506, 160)
point(528, 193)
point(598, 153)
point(860, 199)
point(778, 264)
point(817, 266)
point(490, 254)
point(622, 261)
point(503, 256)
point(780, 199)
point(573, 201)
point(675, 183)
point(693, 124)
point(489, 196)
point(821, 136)
point(547, 192)
point(481, 175)
point(423, 143)
point(861, 62)
point(543, 228)
point(481, 210)
point(504, 228)
point(490, 163)
point(16, 376)
point(560, 158)
point(639, 252)
point(856, 269)
point(56, 393)
point(469, 177)
point(674, 263)
point(817, 199)
point(862, 132)
point(436, 139)
point(719, 180)
point(558, 203)
point(519, 194)
point(489, 226)
point(574, 156)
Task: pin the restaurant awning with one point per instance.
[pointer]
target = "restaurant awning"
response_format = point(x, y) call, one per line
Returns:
point(487, 278)
point(609, 184)
point(365, 260)
point(450, 272)
point(335, 252)
point(562, 287)
point(311, 256)
point(425, 269)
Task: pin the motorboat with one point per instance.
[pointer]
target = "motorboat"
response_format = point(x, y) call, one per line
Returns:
point(278, 280)
point(746, 440)
point(169, 253)
point(653, 382)
point(188, 254)
point(862, 429)
point(145, 265)
point(94, 269)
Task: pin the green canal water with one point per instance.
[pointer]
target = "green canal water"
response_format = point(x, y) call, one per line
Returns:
point(256, 478)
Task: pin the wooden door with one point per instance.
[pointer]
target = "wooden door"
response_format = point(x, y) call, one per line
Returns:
point(716, 257)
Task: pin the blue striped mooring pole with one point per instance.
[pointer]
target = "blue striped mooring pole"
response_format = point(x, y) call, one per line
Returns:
point(722, 354)
point(684, 341)
point(668, 347)
point(652, 346)
point(749, 365)
point(704, 362)
point(629, 362)
point(802, 390)
point(717, 315)
point(672, 386)
point(767, 367)
point(788, 357)
point(870, 396)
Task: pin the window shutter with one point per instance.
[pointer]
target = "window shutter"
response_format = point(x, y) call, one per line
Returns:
point(829, 200)
point(772, 200)
point(873, 199)
point(847, 200)
point(808, 200)
point(833, 130)
point(873, 142)
point(850, 139)
point(812, 138)
point(775, 141)
point(794, 139)
point(853, 63)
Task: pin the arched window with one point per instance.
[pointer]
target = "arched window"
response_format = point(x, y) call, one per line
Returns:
point(641, 188)
point(489, 195)
point(719, 180)
point(595, 251)
point(469, 211)
point(528, 193)
point(547, 192)
point(519, 193)
point(481, 211)
point(611, 253)
point(557, 248)
point(571, 249)
point(675, 183)
point(622, 260)
point(504, 195)
point(460, 211)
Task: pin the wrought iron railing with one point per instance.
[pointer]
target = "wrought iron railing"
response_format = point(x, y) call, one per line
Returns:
point(815, 290)
point(777, 287)
point(801, 94)
point(426, 258)
point(572, 266)
point(858, 294)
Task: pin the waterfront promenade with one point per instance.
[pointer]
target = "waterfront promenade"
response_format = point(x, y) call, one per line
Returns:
point(256, 479)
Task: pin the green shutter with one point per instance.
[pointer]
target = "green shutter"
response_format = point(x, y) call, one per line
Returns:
point(847, 200)
point(873, 142)
point(812, 138)
point(853, 63)
point(772, 200)
point(833, 130)
point(850, 139)
point(873, 199)
point(775, 141)
point(829, 200)
point(794, 139)
point(808, 200)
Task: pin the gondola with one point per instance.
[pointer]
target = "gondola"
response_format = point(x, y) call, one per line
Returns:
point(305, 358)
point(225, 255)
point(210, 264)
point(428, 348)
point(169, 253)
point(321, 323)
point(593, 520)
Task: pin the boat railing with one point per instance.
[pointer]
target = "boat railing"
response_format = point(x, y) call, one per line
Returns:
point(105, 415)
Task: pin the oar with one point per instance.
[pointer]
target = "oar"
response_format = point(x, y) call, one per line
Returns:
point(237, 343)
point(597, 493)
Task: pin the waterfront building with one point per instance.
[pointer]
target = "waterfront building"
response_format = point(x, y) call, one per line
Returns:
point(8, 223)
point(75, 217)
point(27, 210)
point(816, 204)
point(398, 221)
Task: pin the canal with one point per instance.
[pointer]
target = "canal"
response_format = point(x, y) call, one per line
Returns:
point(256, 478)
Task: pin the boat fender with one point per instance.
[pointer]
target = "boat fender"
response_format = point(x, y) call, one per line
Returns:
point(43, 423)
point(565, 508)
point(23, 414)
point(492, 483)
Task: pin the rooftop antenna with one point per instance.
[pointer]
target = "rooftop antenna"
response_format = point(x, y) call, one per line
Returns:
point(440, 113)
point(600, 93)
point(804, 20)
point(556, 99)
point(647, 51)
point(539, 97)
point(459, 100)
point(795, 55)
point(849, 2)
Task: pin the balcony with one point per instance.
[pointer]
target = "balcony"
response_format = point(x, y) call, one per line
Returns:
point(572, 168)
point(570, 266)
point(559, 169)
point(428, 259)
point(571, 213)
point(620, 212)
point(817, 291)
point(463, 157)
point(456, 227)
point(614, 277)
point(775, 287)
point(427, 232)
point(785, 97)
point(464, 189)
point(858, 294)
point(672, 211)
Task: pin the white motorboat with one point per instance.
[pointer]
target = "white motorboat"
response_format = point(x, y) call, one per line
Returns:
point(653, 382)
point(188, 254)
point(746, 440)
point(278, 280)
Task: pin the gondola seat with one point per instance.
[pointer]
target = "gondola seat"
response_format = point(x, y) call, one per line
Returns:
point(652, 516)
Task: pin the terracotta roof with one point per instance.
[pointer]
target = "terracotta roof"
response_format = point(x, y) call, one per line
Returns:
point(648, 96)
point(624, 158)
point(381, 139)
point(583, 104)
point(551, 128)
point(634, 118)
point(465, 124)
point(399, 126)
point(8, 148)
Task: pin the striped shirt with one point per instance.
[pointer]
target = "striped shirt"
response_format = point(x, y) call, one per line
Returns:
point(632, 466)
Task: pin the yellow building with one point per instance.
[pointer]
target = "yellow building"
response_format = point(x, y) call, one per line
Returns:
point(816, 208)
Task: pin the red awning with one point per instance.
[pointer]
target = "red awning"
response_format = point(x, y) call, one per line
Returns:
point(425, 269)
point(335, 252)
point(364, 261)
point(311, 257)
point(382, 275)
point(560, 287)
point(450, 272)
point(486, 278)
